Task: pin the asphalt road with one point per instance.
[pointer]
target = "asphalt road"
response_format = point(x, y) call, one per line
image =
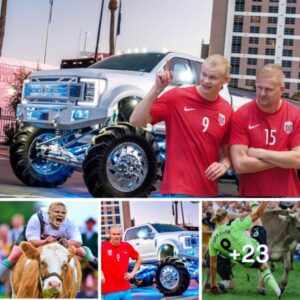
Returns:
point(150, 292)
point(10, 186)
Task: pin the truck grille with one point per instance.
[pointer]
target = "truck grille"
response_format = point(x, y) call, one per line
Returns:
point(53, 90)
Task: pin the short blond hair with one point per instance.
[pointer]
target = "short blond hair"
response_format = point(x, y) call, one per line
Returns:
point(271, 70)
point(216, 60)
point(53, 204)
point(115, 226)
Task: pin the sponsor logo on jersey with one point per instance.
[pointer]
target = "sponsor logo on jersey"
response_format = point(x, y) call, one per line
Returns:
point(288, 127)
point(221, 119)
point(253, 126)
point(189, 108)
point(109, 252)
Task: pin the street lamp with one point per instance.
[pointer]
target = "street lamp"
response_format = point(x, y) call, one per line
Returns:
point(99, 29)
point(85, 35)
point(49, 21)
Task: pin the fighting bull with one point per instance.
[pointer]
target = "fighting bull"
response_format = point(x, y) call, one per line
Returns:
point(50, 271)
point(283, 234)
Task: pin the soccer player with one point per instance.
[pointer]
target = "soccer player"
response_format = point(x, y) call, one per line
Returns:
point(230, 240)
point(197, 121)
point(115, 255)
point(48, 225)
point(265, 140)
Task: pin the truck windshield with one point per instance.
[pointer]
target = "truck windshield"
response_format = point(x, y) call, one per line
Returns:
point(140, 62)
point(167, 228)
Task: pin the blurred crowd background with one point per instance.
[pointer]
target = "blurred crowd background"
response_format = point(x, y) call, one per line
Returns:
point(239, 208)
point(236, 209)
point(14, 216)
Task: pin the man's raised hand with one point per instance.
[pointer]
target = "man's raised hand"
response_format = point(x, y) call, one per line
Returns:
point(164, 77)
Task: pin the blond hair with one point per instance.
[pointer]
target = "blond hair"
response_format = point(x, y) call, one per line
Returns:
point(53, 204)
point(115, 226)
point(216, 60)
point(271, 70)
point(219, 216)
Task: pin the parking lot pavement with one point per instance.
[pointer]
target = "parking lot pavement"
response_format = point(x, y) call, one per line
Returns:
point(150, 292)
point(10, 186)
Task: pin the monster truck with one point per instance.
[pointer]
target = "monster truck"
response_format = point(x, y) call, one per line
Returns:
point(169, 256)
point(71, 119)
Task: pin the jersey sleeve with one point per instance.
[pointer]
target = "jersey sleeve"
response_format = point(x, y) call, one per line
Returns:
point(238, 132)
point(160, 108)
point(73, 232)
point(295, 138)
point(33, 229)
point(242, 224)
point(133, 254)
point(212, 250)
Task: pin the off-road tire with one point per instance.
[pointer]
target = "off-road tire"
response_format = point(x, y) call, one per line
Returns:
point(21, 154)
point(143, 282)
point(183, 280)
point(96, 170)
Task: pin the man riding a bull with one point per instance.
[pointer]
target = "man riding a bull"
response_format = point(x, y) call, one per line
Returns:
point(46, 226)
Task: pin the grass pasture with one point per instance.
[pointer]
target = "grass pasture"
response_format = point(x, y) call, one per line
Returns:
point(246, 282)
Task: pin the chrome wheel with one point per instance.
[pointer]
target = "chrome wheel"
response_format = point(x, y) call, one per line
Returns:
point(169, 277)
point(127, 167)
point(39, 164)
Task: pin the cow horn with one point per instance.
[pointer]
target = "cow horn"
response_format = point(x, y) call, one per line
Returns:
point(72, 251)
point(285, 218)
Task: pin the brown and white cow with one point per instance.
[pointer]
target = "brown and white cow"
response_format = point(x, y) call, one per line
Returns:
point(283, 234)
point(50, 271)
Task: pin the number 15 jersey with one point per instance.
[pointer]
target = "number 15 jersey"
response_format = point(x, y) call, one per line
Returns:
point(279, 131)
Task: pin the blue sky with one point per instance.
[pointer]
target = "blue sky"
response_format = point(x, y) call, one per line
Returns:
point(152, 24)
point(155, 210)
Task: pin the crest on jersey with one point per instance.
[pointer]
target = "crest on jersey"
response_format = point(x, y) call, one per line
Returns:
point(288, 127)
point(221, 119)
point(109, 252)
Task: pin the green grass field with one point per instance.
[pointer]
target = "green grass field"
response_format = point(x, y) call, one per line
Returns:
point(246, 283)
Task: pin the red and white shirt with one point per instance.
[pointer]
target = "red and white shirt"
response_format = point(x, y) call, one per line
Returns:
point(195, 129)
point(114, 263)
point(279, 131)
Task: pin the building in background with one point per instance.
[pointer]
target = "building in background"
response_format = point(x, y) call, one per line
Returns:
point(253, 33)
point(114, 212)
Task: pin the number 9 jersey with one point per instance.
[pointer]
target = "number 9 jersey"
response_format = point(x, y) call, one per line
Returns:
point(231, 240)
point(195, 130)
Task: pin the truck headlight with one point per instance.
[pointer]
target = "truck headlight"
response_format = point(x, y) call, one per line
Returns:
point(94, 88)
point(189, 241)
point(23, 100)
point(80, 114)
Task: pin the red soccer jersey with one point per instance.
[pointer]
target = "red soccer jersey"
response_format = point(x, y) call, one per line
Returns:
point(195, 129)
point(114, 263)
point(279, 132)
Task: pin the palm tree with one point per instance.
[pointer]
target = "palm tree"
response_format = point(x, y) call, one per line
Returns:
point(113, 5)
point(2, 23)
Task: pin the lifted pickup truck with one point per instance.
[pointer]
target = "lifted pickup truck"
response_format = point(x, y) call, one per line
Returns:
point(170, 255)
point(70, 120)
